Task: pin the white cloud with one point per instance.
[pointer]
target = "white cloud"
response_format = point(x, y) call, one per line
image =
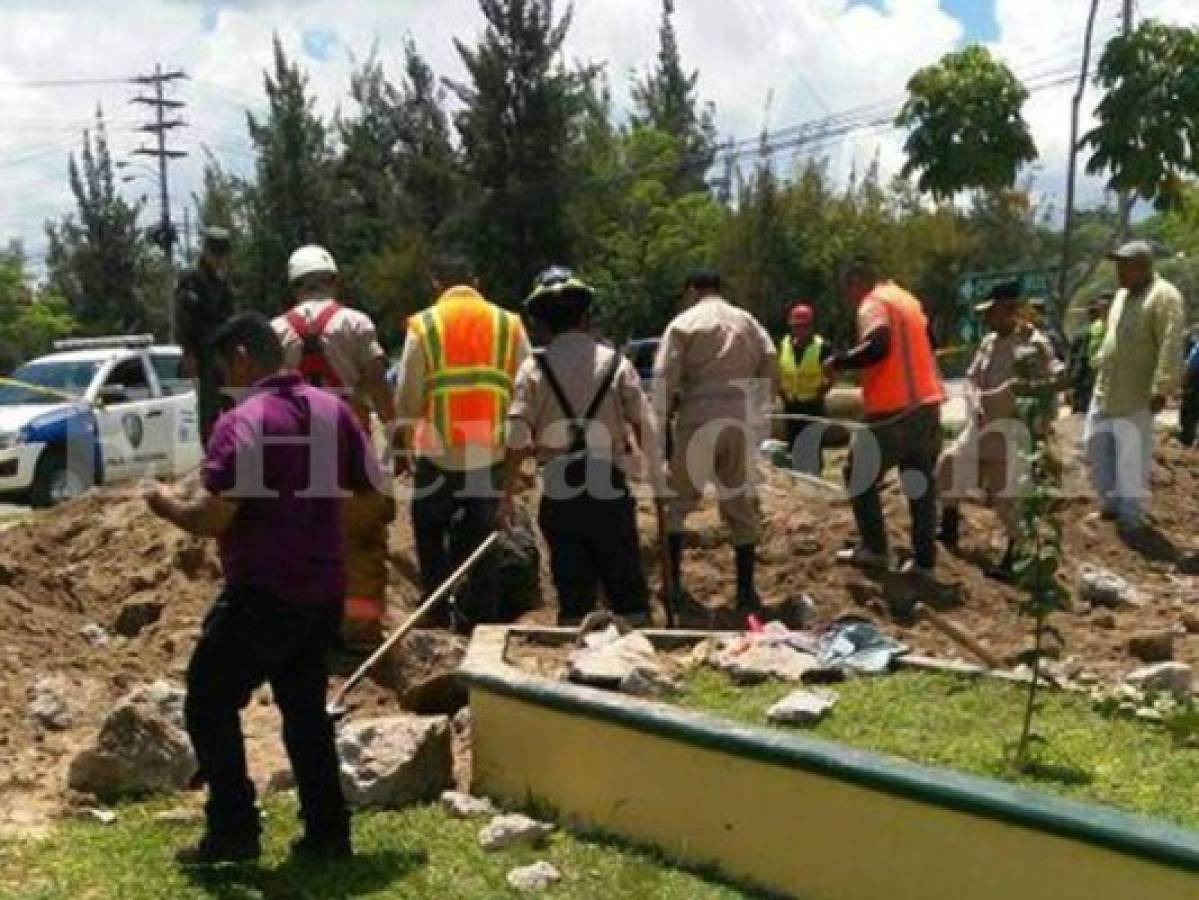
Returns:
point(815, 55)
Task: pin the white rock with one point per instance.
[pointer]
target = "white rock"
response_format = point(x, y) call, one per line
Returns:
point(94, 634)
point(802, 708)
point(540, 876)
point(165, 697)
point(650, 683)
point(138, 751)
point(180, 817)
point(96, 815)
point(395, 761)
point(463, 806)
point(762, 661)
point(608, 664)
point(1104, 588)
point(1173, 678)
point(48, 704)
point(505, 832)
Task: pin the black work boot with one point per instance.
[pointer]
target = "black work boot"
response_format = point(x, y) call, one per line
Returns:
point(325, 848)
point(747, 596)
point(951, 527)
point(213, 851)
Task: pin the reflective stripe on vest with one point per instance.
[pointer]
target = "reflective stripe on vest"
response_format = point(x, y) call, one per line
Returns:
point(801, 380)
point(908, 377)
point(470, 353)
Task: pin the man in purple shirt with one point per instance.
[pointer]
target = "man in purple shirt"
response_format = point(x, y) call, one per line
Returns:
point(270, 491)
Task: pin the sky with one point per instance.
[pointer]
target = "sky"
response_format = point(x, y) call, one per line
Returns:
point(774, 62)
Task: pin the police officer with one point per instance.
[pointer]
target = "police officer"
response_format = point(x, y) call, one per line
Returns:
point(986, 453)
point(203, 302)
point(576, 404)
point(715, 376)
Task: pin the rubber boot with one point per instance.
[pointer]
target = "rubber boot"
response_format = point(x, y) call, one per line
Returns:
point(951, 527)
point(747, 596)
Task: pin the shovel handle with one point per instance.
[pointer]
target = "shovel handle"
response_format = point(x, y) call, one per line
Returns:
point(436, 597)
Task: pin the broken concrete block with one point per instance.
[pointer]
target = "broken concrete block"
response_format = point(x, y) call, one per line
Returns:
point(505, 832)
point(762, 661)
point(802, 708)
point(1173, 678)
point(138, 751)
point(540, 876)
point(607, 664)
point(94, 635)
point(1104, 588)
point(463, 806)
point(395, 761)
point(1152, 646)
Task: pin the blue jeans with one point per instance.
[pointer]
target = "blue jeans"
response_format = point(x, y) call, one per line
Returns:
point(1120, 453)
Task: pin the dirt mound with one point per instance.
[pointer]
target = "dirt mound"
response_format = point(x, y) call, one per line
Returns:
point(67, 571)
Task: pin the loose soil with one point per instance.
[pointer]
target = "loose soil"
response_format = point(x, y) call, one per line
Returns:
point(67, 568)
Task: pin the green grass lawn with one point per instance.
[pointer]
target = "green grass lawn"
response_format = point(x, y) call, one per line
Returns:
point(966, 724)
point(417, 853)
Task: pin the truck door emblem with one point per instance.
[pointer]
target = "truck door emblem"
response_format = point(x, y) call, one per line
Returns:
point(131, 423)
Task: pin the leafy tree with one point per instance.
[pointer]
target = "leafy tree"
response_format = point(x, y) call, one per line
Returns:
point(642, 243)
point(666, 99)
point(96, 252)
point(518, 122)
point(967, 126)
point(220, 202)
point(290, 202)
point(1147, 138)
point(30, 322)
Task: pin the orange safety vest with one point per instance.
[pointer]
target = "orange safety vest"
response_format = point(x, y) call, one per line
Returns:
point(470, 348)
point(908, 377)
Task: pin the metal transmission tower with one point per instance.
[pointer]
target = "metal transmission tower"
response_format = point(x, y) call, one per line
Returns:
point(165, 233)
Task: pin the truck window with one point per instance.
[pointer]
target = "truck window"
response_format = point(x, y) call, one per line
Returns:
point(171, 377)
point(131, 375)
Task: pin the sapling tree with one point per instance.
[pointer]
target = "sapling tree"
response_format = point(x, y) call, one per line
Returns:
point(1039, 541)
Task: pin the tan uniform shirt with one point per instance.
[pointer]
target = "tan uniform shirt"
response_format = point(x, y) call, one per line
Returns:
point(705, 352)
point(993, 366)
point(1141, 353)
point(580, 363)
point(350, 341)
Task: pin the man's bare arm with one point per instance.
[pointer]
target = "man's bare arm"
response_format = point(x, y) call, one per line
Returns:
point(201, 513)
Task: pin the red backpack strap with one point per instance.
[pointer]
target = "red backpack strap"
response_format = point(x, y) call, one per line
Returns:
point(324, 317)
point(298, 324)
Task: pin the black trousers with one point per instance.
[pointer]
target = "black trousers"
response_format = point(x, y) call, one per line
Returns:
point(593, 542)
point(806, 438)
point(250, 638)
point(913, 445)
point(1189, 414)
point(452, 513)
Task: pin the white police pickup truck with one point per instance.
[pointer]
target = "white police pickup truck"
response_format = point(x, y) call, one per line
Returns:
point(96, 411)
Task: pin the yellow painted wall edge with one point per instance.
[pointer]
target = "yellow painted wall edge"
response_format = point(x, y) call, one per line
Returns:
point(802, 816)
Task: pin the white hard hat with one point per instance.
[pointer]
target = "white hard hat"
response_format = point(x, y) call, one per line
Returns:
point(310, 260)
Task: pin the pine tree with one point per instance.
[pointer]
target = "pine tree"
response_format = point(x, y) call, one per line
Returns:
point(96, 253)
point(666, 100)
point(517, 127)
point(290, 203)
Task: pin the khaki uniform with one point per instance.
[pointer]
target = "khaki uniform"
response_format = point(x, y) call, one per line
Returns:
point(986, 455)
point(591, 533)
point(351, 345)
point(717, 368)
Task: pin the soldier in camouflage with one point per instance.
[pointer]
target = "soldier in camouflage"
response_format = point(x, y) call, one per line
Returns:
point(203, 302)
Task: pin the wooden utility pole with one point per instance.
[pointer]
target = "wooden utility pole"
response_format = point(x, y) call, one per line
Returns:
point(1064, 286)
point(159, 127)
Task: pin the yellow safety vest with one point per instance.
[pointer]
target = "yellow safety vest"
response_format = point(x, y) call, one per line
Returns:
point(800, 380)
point(470, 349)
